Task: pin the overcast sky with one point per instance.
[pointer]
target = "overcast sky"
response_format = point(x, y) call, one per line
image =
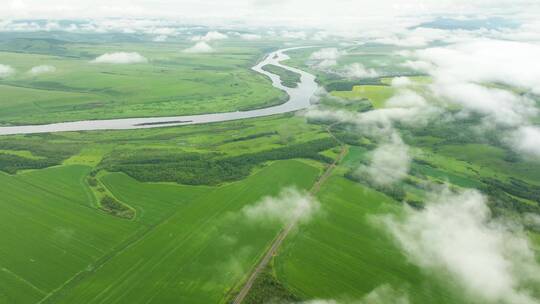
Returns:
point(337, 13)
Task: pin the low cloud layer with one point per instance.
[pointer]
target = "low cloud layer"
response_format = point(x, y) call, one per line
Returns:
point(390, 162)
point(456, 234)
point(6, 71)
point(250, 36)
point(42, 69)
point(288, 206)
point(513, 63)
point(200, 47)
point(120, 58)
point(406, 107)
point(527, 140)
point(500, 85)
point(211, 36)
point(327, 57)
point(357, 70)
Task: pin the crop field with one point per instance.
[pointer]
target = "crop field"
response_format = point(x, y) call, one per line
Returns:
point(179, 235)
point(79, 252)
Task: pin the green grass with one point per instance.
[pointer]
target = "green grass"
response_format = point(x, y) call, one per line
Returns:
point(190, 244)
point(172, 83)
point(185, 243)
point(288, 78)
point(49, 229)
point(21, 153)
point(267, 289)
point(377, 94)
point(197, 253)
point(345, 254)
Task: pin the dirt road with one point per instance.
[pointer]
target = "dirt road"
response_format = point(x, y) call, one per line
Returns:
point(285, 232)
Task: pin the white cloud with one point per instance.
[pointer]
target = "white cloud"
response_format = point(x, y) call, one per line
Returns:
point(6, 71)
point(512, 63)
point(42, 69)
point(326, 58)
point(490, 77)
point(250, 36)
point(412, 41)
point(294, 35)
point(405, 98)
point(210, 36)
point(455, 234)
point(120, 58)
point(320, 36)
point(406, 107)
point(390, 162)
point(357, 70)
point(326, 63)
point(289, 206)
point(361, 15)
point(419, 65)
point(422, 37)
point(503, 106)
point(527, 140)
point(160, 38)
point(327, 54)
point(400, 82)
point(199, 47)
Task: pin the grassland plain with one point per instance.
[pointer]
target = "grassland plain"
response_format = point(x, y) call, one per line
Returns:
point(170, 83)
point(186, 242)
point(190, 243)
point(345, 254)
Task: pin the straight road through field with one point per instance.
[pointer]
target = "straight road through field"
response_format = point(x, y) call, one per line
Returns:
point(276, 244)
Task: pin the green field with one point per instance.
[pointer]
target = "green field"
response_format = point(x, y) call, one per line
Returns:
point(156, 215)
point(170, 83)
point(377, 95)
point(288, 78)
point(172, 250)
point(346, 255)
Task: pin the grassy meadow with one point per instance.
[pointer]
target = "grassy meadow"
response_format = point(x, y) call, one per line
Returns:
point(186, 242)
point(172, 229)
point(172, 82)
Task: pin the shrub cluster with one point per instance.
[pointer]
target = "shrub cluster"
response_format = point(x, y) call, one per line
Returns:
point(207, 169)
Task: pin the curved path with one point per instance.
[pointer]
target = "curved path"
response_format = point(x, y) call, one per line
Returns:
point(299, 98)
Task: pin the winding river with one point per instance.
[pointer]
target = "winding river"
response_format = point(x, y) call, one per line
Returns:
point(299, 98)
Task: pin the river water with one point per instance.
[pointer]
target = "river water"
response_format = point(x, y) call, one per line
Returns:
point(299, 98)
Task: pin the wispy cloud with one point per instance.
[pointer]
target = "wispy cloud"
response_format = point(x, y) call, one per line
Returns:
point(42, 69)
point(456, 234)
point(200, 47)
point(120, 58)
point(6, 71)
point(289, 205)
point(357, 70)
point(326, 57)
point(389, 163)
point(499, 87)
point(210, 36)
